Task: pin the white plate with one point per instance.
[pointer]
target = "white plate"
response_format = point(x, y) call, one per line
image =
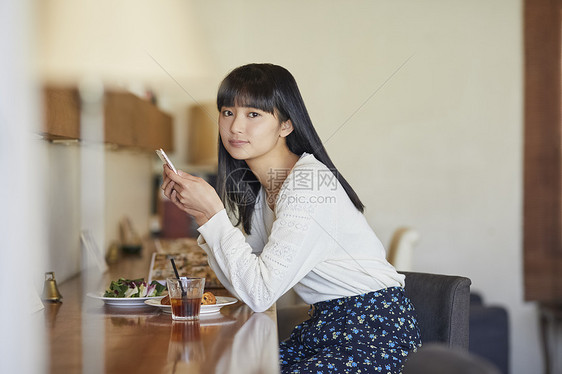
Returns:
point(205, 309)
point(125, 301)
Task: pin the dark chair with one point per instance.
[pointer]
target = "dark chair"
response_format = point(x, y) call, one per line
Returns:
point(489, 332)
point(442, 304)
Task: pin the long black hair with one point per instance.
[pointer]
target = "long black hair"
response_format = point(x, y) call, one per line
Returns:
point(273, 89)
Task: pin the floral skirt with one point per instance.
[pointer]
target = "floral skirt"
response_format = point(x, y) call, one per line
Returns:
point(369, 333)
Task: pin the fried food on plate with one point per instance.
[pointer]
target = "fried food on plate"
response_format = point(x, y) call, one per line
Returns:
point(208, 299)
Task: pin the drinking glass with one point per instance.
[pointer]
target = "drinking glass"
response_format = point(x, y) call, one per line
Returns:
point(185, 297)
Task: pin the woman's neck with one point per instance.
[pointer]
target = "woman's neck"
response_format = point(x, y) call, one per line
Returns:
point(272, 169)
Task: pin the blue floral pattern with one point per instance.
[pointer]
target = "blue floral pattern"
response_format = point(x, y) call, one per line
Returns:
point(369, 333)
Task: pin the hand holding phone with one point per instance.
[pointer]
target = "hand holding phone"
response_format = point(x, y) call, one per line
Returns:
point(164, 157)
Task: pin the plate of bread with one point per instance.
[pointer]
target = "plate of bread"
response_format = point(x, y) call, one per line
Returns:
point(209, 303)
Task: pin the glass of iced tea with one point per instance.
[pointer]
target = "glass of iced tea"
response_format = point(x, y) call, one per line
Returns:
point(185, 297)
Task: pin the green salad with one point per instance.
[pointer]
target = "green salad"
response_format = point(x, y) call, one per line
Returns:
point(133, 288)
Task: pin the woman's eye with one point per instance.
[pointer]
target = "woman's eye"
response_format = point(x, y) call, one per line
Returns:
point(226, 113)
point(253, 114)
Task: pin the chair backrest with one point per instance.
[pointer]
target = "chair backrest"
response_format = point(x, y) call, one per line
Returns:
point(442, 305)
point(400, 252)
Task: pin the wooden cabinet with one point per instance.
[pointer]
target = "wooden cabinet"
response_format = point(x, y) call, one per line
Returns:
point(154, 128)
point(128, 120)
point(61, 113)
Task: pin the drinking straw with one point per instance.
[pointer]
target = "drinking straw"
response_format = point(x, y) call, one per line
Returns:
point(183, 293)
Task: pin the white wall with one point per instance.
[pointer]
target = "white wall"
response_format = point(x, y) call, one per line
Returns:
point(63, 208)
point(420, 106)
point(128, 193)
point(128, 183)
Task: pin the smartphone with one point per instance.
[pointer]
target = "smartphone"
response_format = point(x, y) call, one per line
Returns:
point(164, 157)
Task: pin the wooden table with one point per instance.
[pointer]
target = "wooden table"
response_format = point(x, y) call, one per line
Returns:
point(86, 336)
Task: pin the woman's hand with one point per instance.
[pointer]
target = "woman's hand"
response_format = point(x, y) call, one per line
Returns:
point(191, 194)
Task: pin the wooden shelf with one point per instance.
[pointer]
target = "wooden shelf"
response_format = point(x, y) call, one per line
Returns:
point(129, 120)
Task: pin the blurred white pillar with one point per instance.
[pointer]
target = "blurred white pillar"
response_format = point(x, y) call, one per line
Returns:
point(92, 174)
point(92, 209)
point(22, 240)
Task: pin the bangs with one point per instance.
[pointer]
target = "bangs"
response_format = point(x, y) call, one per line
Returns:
point(247, 88)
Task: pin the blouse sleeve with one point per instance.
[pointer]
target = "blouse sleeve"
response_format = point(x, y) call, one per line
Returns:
point(213, 264)
point(293, 249)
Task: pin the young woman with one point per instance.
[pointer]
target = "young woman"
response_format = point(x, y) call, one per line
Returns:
point(297, 224)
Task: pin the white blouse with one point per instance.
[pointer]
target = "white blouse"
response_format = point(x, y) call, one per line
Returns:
point(315, 241)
